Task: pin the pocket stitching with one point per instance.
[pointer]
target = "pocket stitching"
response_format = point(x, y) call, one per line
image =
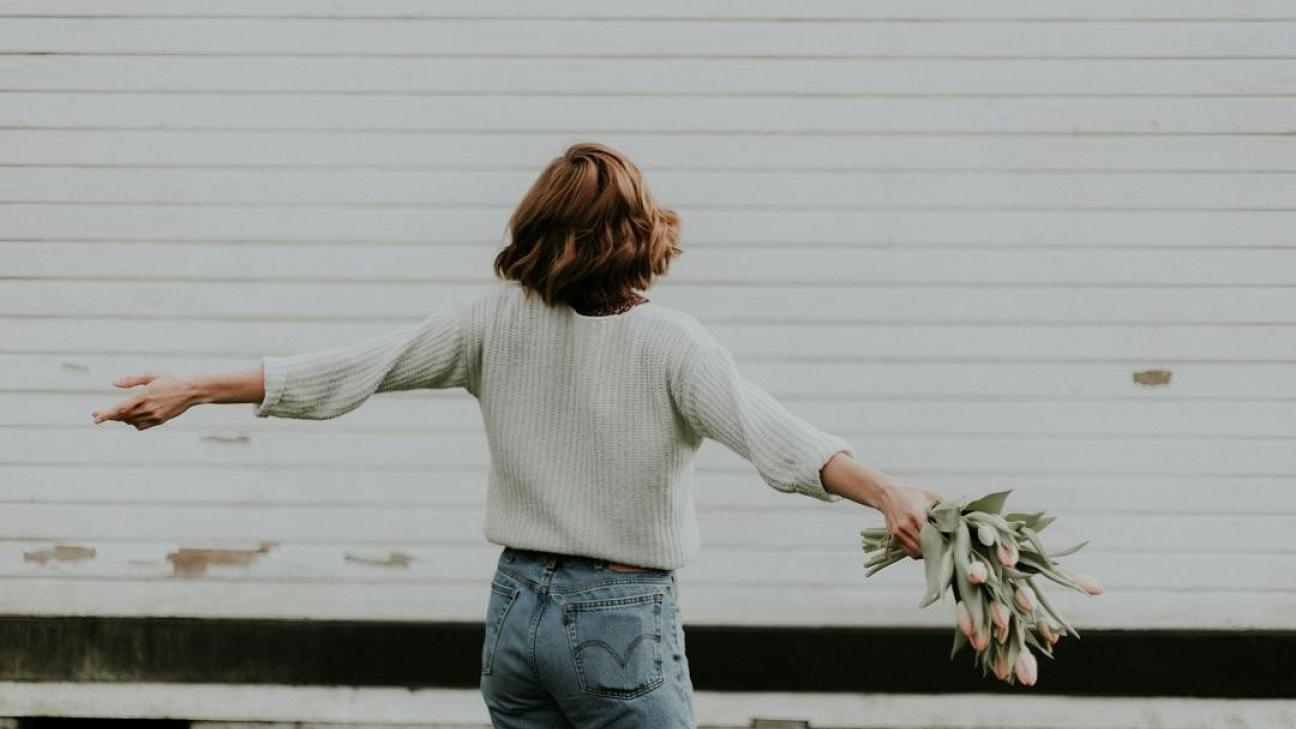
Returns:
point(657, 676)
point(492, 635)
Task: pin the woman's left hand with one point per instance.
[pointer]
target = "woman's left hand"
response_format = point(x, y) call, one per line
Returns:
point(164, 397)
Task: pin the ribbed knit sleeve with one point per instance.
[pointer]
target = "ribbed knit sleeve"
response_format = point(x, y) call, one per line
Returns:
point(326, 383)
point(720, 403)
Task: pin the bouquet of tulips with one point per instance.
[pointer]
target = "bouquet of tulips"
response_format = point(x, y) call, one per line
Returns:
point(992, 579)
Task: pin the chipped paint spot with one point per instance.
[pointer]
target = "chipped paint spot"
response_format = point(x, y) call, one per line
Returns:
point(194, 562)
point(1152, 378)
point(227, 437)
point(60, 553)
point(394, 559)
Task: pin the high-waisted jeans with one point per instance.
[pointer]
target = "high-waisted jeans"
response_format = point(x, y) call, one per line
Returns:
point(571, 642)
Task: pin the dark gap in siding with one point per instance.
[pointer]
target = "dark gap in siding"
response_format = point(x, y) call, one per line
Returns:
point(1174, 663)
point(69, 723)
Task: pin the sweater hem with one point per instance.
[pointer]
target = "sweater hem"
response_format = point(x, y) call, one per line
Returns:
point(275, 377)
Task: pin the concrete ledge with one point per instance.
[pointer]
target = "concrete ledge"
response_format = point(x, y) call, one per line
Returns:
point(225, 706)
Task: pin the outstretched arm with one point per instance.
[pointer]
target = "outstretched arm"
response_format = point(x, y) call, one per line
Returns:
point(904, 507)
point(438, 352)
point(166, 396)
point(791, 454)
point(435, 353)
point(720, 403)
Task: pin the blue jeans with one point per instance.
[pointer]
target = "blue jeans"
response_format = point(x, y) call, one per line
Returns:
point(571, 642)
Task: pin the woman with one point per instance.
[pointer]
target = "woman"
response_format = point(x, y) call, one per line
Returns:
point(594, 400)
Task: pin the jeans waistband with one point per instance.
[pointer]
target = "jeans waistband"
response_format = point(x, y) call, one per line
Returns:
point(525, 558)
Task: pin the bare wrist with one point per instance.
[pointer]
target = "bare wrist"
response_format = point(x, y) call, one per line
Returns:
point(200, 390)
point(861, 484)
point(877, 486)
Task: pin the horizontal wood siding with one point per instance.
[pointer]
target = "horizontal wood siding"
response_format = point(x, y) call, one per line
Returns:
point(1037, 245)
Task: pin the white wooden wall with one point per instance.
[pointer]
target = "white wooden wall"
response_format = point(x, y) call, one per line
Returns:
point(952, 233)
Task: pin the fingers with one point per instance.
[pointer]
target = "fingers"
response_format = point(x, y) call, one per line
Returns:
point(907, 535)
point(908, 530)
point(133, 380)
point(125, 411)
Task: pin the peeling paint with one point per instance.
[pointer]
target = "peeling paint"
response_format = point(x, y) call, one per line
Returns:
point(394, 559)
point(227, 437)
point(1152, 378)
point(59, 553)
point(194, 562)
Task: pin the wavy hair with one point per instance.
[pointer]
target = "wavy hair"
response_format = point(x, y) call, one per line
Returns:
point(588, 232)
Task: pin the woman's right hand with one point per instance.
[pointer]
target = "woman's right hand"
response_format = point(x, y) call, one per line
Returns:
point(905, 509)
point(164, 397)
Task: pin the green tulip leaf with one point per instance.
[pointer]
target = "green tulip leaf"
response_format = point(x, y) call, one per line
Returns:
point(946, 517)
point(990, 503)
point(1039, 546)
point(1069, 550)
point(967, 591)
point(1042, 522)
point(933, 548)
point(1050, 573)
point(1040, 644)
point(1027, 519)
point(1043, 600)
point(960, 641)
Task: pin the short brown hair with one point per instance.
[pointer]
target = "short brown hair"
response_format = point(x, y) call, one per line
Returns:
point(588, 232)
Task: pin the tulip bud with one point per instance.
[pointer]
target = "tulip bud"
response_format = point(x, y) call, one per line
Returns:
point(1000, 666)
point(963, 618)
point(1007, 554)
point(1025, 597)
point(1046, 630)
point(986, 535)
point(977, 573)
point(1027, 667)
point(980, 639)
point(1001, 633)
point(1089, 585)
point(998, 613)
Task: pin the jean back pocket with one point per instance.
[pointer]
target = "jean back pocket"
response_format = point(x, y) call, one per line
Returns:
point(616, 644)
point(502, 598)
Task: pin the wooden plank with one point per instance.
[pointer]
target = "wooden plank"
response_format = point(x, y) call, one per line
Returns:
point(723, 492)
point(882, 381)
point(434, 113)
point(695, 189)
point(1126, 420)
point(1119, 570)
point(1153, 344)
point(702, 150)
point(1128, 228)
point(835, 526)
point(114, 443)
point(690, 280)
point(658, 37)
point(840, 302)
point(627, 76)
point(701, 604)
point(937, 10)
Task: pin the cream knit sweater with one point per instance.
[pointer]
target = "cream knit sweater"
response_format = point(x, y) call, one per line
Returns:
point(592, 422)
